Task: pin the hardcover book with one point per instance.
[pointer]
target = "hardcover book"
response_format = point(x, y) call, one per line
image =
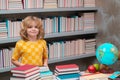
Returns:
point(46, 73)
point(27, 74)
point(115, 76)
point(33, 77)
point(24, 69)
point(66, 72)
point(73, 76)
point(67, 67)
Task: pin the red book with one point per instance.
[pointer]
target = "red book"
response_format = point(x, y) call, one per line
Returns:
point(24, 69)
point(67, 67)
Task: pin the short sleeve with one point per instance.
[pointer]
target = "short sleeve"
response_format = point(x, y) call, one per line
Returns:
point(45, 54)
point(16, 52)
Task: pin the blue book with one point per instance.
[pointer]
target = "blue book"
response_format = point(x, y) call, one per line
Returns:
point(8, 27)
point(72, 76)
point(115, 75)
point(46, 73)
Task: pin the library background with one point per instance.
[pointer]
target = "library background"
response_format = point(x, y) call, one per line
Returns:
point(73, 30)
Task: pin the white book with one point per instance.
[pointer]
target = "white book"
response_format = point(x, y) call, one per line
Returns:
point(44, 68)
point(27, 78)
point(66, 72)
point(26, 75)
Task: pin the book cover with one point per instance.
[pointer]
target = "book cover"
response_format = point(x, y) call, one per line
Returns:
point(24, 69)
point(67, 67)
point(27, 74)
point(73, 76)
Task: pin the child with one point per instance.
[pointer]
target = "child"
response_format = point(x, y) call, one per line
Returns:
point(32, 48)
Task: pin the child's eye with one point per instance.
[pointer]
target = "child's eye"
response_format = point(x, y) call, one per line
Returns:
point(29, 26)
point(36, 27)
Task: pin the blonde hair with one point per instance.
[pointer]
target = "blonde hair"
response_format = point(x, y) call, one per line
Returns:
point(27, 22)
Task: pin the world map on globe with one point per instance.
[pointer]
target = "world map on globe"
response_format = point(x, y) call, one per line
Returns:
point(107, 53)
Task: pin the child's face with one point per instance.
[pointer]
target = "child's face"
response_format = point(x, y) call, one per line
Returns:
point(32, 30)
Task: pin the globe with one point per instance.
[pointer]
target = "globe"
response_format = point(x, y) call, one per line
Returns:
point(107, 54)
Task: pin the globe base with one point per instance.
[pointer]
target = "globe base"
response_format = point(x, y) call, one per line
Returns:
point(105, 69)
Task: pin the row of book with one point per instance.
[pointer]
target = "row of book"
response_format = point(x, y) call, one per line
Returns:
point(10, 28)
point(56, 50)
point(76, 47)
point(5, 58)
point(25, 4)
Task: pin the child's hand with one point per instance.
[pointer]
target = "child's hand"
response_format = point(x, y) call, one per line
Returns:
point(22, 64)
point(45, 65)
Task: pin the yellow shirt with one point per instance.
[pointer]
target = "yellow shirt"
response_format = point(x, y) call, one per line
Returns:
point(30, 52)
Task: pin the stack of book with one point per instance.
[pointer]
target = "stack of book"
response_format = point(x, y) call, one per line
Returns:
point(25, 72)
point(46, 74)
point(67, 72)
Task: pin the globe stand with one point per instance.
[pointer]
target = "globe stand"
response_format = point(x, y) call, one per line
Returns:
point(105, 69)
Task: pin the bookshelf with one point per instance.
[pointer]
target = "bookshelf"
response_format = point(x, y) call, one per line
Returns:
point(16, 14)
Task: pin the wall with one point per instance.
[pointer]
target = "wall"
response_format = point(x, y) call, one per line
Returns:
point(108, 24)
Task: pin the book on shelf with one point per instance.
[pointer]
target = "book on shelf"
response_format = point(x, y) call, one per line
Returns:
point(26, 74)
point(67, 67)
point(72, 76)
point(24, 69)
point(1, 59)
point(65, 72)
point(32, 77)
